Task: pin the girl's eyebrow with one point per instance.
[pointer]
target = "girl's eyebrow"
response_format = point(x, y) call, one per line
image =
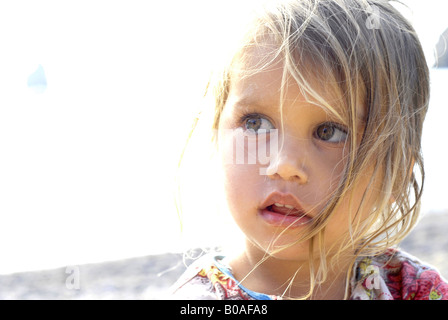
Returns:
point(245, 102)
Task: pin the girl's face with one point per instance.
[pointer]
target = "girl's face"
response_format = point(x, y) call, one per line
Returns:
point(276, 207)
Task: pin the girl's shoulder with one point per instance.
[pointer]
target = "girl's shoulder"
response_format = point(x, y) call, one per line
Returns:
point(398, 275)
point(210, 278)
point(192, 284)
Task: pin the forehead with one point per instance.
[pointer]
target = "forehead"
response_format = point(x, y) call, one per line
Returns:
point(261, 77)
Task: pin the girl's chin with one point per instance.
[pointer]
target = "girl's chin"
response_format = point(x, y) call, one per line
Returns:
point(283, 249)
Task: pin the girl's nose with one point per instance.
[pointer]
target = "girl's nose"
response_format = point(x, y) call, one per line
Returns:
point(290, 164)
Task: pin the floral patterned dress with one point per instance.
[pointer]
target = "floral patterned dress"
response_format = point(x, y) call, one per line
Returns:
point(393, 275)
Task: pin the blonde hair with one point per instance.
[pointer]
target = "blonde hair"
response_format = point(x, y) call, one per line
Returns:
point(370, 54)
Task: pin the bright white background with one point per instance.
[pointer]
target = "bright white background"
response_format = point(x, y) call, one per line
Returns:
point(86, 167)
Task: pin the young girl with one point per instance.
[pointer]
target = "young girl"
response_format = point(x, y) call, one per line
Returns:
point(330, 96)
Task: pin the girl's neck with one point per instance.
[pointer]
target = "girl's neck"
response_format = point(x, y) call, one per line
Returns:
point(290, 279)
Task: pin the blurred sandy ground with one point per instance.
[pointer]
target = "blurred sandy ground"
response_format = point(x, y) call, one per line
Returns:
point(150, 276)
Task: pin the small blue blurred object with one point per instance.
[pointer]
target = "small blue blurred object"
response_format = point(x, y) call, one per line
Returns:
point(37, 80)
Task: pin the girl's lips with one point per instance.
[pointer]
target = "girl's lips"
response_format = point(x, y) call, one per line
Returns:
point(283, 210)
point(283, 220)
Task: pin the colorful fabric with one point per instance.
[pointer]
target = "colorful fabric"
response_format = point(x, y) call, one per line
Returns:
point(394, 275)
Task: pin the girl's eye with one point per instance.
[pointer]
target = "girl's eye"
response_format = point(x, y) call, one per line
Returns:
point(330, 132)
point(257, 122)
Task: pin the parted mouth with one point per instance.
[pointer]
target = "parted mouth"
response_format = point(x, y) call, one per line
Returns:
point(283, 203)
point(283, 210)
